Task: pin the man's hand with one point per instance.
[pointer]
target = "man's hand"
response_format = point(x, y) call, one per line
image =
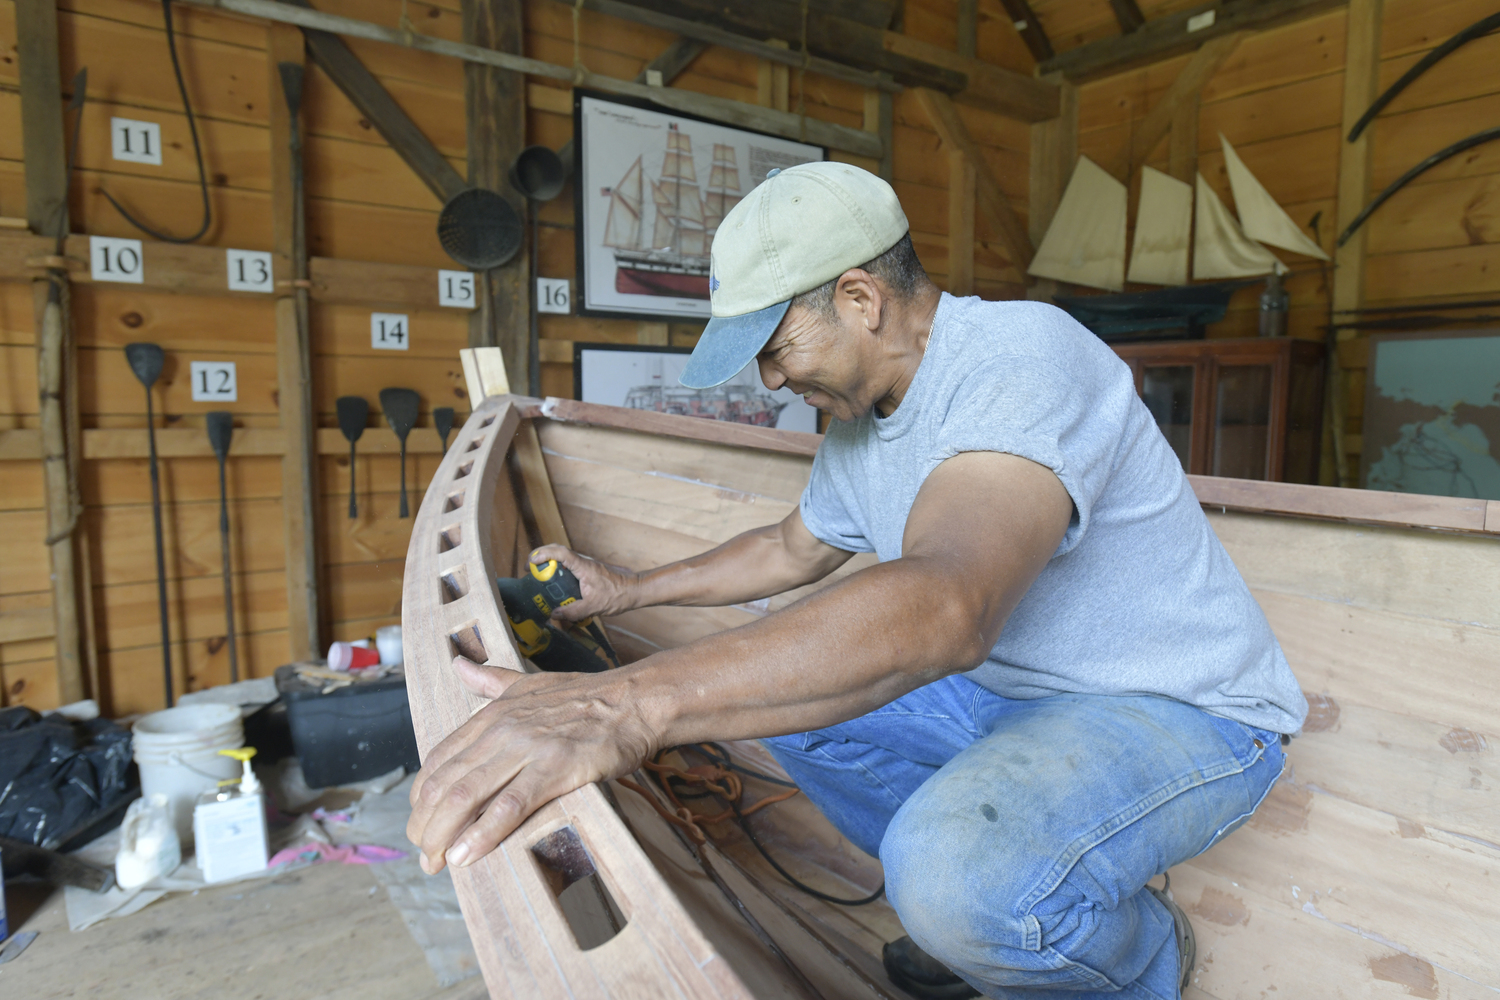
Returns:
point(607, 590)
point(543, 736)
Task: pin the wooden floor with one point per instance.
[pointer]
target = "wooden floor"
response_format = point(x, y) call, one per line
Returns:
point(327, 932)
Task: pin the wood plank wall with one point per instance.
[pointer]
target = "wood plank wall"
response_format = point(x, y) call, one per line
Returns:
point(1278, 100)
point(363, 204)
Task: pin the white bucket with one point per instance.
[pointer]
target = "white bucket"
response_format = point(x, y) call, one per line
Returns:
point(178, 753)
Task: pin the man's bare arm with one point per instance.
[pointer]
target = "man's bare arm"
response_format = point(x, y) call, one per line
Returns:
point(982, 528)
point(762, 562)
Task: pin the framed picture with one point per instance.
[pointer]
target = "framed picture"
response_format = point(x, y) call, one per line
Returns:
point(646, 378)
point(1432, 414)
point(651, 187)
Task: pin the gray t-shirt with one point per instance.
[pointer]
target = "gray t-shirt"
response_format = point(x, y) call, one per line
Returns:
point(1140, 597)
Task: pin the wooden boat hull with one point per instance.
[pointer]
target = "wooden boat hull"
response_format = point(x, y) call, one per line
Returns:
point(1392, 807)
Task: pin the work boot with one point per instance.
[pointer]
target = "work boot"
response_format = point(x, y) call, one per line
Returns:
point(921, 975)
point(1187, 944)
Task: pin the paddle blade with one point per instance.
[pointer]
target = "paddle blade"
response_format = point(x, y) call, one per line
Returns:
point(146, 360)
point(442, 420)
point(400, 407)
point(354, 413)
point(220, 429)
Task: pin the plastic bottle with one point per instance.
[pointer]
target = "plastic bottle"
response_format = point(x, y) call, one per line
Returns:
point(229, 825)
point(149, 847)
point(348, 655)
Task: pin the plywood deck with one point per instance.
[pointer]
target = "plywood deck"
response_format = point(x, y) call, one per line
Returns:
point(328, 932)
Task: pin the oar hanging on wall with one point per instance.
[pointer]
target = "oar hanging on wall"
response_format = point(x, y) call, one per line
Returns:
point(442, 422)
point(146, 361)
point(401, 406)
point(353, 413)
point(220, 425)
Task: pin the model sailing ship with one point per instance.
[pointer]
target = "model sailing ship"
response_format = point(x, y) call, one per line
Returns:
point(1085, 245)
point(739, 400)
point(675, 262)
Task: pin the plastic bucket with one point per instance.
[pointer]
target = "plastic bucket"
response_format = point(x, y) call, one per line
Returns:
point(178, 754)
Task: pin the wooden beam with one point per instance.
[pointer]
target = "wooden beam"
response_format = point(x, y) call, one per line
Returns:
point(367, 94)
point(1029, 27)
point(495, 104)
point(1158, 121)
point(1174, 34)
point(992, 201)
point(1128, 15)
point(1361, 86)
point(675, 58)
point(786, 125)
point(910, 61)
point(284, 48)
point(1054, 151)
point(966, 32)
point(1182, 141)
point(26, 626)
point(711, 34)
point(880, 118)
point(46, 209)
point(102, 444)
point(773, 82)
point(960, 223)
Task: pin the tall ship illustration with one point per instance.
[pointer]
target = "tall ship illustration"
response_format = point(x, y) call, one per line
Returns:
point(674, 260)
point(739, 400)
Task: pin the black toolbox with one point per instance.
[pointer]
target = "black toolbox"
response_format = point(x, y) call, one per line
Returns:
point(351, 733)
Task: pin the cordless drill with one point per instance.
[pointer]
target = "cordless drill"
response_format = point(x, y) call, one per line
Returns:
point(529, 601)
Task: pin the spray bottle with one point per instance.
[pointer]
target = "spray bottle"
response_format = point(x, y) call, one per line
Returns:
point(229, 825)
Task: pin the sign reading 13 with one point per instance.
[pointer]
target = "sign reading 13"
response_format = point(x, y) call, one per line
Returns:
point(389, 331)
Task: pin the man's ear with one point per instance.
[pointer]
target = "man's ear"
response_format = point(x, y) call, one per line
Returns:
point(862, 294)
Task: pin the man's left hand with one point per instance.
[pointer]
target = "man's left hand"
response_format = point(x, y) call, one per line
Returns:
point(543, 736)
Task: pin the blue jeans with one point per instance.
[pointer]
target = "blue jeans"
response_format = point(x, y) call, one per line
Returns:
point(1016, 836)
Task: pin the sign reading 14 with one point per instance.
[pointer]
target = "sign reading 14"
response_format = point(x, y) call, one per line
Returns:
point(389, 331)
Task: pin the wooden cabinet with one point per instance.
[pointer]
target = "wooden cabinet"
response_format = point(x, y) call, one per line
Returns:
point(1246, 409)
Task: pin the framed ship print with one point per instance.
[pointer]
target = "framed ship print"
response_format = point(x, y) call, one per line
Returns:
point(646, 378)
point(651, 187)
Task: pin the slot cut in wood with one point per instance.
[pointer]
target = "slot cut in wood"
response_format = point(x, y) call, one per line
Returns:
point(455, 584)
point(467, 643)
point(450, 538)
point(464, 470)
point(454, 501)
point(586, 903)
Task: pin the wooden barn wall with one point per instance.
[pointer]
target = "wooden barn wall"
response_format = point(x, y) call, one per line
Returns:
point(1278, 100)
point(363, 204)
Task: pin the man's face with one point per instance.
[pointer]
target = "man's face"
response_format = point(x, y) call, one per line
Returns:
point(821, 360)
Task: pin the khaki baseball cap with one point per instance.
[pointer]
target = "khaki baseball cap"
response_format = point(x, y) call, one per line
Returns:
point(797, 229)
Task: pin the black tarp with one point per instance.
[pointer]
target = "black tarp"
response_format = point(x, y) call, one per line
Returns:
point(57, 775)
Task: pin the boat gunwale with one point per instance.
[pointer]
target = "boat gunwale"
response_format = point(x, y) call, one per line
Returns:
point(1454, 515)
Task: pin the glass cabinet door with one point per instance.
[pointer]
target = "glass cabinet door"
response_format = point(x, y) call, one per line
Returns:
point(1167, 391)
point(1242, 422)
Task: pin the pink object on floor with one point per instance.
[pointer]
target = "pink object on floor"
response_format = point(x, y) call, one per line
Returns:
point(349, 854)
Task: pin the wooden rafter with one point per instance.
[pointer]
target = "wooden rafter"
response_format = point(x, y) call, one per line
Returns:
point(673, 59)
point(966, 33)
point(1128, 15)
point(732, 112)
point(1029, 27)
point(992, 201)
point(1184, 90)
point(1173, 34)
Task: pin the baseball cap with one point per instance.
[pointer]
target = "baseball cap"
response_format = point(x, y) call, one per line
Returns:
point(797, 229)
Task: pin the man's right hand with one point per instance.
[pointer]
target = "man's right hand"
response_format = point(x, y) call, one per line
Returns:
point(606, 590)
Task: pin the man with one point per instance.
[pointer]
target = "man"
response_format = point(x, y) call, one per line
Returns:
point(1053, 687)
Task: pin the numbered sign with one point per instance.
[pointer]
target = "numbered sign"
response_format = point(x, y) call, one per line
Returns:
point(249, 271)
point(214, 382)
point(135, 142)
point(114, 259)
point(456, 288)
point(389, 331)
point(553, 295)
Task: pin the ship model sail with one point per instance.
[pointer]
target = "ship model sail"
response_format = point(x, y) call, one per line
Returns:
point(675, 262)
